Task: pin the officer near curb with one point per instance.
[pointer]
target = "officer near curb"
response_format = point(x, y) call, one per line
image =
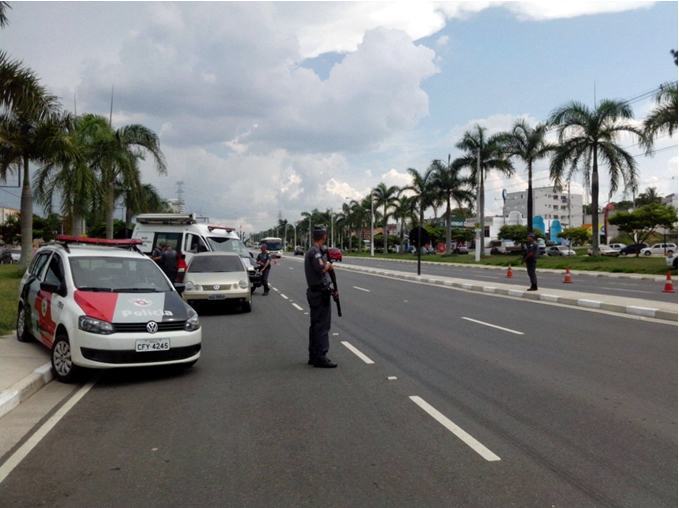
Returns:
point(531, 260)
point(319, 292)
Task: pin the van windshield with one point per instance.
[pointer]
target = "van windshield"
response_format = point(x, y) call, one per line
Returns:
point(222, 244)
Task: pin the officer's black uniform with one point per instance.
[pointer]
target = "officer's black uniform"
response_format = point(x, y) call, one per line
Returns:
point(318, 295)
point(262, 259)
point(531, 260)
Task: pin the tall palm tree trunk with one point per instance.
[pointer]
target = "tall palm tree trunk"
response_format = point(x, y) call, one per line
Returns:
point(109, 209)
point(448, 239)
point(385, 232)
point(529, 198)
point(76, 224)
point(595, 202)
point(26, 215)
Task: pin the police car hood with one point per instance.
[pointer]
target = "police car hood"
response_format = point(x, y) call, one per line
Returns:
point(132, 307)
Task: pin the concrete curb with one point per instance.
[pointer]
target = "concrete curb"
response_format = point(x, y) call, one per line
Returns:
point(519, 293)
point(612, 275)
point(23, 389)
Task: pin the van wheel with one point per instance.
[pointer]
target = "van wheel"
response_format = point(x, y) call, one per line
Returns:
point(62, 362)
point(647, 253)
point(22, 333)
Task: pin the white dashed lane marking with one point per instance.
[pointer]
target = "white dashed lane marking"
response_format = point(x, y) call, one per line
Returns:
point(493, 326)
point(362, 356)
point(297, 306)
point(361, 289)
point(458, 431)
point(283, 296)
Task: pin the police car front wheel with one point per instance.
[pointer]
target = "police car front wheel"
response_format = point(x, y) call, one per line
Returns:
point(22, 333)
point(62, 363)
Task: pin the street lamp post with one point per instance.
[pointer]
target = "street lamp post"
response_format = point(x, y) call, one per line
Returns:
point(372, 225)
point(332, 229)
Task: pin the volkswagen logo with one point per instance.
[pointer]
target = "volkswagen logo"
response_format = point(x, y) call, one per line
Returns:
point(216, 287)
point(152, 327)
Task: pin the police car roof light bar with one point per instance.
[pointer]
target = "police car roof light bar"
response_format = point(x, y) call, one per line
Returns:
point(128, 242)
point(166, 218)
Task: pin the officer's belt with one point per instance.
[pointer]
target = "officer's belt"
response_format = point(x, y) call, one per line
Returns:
point(318, 289)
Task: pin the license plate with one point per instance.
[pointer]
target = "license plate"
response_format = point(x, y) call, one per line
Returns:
point(148, 345)
point(219, 296)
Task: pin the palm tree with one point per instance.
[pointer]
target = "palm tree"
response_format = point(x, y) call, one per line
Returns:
point(21, 91)
point(663, 118)
point(648, 197)
point(404, 210)
point(120, 152)
point(386, 198)
point(67, 172)
point(450, 186)
point(4, 7)
point(588, 138)
point(488, 154)
point(529, 145)
point(422, 190)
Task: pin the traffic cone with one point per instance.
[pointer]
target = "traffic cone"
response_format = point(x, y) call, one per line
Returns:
point(567, 277)
point(509, 272)
point(668, 284)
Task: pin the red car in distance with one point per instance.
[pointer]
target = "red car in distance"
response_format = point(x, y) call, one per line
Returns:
point(334, 254)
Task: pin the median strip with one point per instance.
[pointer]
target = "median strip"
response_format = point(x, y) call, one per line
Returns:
point(362, 356)
point(460, 433)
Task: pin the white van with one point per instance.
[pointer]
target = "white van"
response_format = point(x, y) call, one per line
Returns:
point(188, 236)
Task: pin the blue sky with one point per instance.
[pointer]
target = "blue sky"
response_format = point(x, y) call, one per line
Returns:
point(282, 107)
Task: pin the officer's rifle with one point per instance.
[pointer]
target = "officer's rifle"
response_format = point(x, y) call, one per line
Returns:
point(335, 294)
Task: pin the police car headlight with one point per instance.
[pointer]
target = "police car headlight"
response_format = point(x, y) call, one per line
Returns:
point(243, 284)
point(92, 325)
point(192, 324)
point(190, 286)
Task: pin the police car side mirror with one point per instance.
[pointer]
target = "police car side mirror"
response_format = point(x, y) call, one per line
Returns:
point(179, 287)
point(52, 288)
point(252, 255)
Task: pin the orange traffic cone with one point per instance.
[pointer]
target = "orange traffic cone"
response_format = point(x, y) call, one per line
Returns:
point(668, 284)
point(567, 277)
point(509, 272)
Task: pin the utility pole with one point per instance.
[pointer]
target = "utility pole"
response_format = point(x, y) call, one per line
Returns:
point(372, 225)
point(309, 231)
point(570, 224)
point(479, 208)
point(332, 229)
point(180, 196)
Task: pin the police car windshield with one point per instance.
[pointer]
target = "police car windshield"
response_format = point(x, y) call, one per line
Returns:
point(212, 264)
point(116, 274)
point(222, 244)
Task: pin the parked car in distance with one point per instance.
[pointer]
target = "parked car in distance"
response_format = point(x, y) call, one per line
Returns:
point(605, 250)
point(10, 255)
point(662, 249)
point(461, 249)
point(632, 249)
point(560, 250)
point(218, 276)
point(617, 246)
point(334, 254)
point(671, 261)
point(299, 251)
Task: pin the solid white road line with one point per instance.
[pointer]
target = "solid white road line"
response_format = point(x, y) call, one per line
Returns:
point(628, 290)
point(361, 289)
point(283, 296)
point(297, 306)
point(493, 326)
point(392, 378)
point(15, 459)
point(459, 432)
point(357, 352)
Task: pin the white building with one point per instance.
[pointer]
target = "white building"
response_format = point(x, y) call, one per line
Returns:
point(548, 204)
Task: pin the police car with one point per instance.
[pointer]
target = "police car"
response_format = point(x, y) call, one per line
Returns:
point(102, 304)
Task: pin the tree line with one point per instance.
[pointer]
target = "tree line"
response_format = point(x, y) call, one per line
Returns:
point(587, 142)
point(83, 165)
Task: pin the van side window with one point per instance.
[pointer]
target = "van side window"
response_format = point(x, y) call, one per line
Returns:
point(174, 240)
point(194, 244)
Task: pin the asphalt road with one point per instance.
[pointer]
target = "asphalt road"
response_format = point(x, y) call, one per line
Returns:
point(631, 288)
point(580, 407)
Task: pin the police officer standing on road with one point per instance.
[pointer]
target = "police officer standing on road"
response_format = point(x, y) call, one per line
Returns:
point(318, 294)
point(531, 260)
point(264, 264)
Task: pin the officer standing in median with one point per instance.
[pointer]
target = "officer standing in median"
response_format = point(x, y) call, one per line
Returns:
point(318, 294)
point(531, 260)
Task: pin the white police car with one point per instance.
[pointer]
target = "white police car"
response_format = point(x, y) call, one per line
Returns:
point(101, 304)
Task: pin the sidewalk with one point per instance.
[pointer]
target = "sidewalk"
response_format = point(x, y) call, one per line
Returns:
point(24, 369)
point(634, 306)
point(613, 275)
